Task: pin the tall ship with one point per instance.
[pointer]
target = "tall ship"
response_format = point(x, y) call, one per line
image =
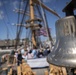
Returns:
point(23, 56)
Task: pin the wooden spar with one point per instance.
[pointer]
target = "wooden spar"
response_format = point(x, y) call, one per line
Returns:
point(47, 8)
point(32, 17)
point(27, 26)
point(22, 12)
point(37, 2)
point(31, 23)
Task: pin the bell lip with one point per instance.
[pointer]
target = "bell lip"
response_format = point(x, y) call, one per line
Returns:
point(61, 65)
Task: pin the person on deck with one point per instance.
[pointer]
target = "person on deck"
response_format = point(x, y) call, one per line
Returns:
point(22, 51)
point(34, 53)
point(30, 56)
point(40, 54)
point(12, 52)
point(24, 56)
point(19, 58)
point(48, 51)
point(16, 54)
point(45, 52)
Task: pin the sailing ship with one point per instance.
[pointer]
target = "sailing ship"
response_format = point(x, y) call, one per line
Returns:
point(34, 25)
point(37, 21)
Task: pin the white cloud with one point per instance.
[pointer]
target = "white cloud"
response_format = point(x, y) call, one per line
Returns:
point(1, 14)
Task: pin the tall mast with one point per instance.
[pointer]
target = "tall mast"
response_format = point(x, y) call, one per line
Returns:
point(32, 22)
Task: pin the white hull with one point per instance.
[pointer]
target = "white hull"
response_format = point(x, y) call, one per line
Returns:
point(3, 52)
point(38, 63)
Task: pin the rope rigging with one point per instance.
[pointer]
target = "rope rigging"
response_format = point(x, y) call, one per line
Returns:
point(18, 17)
point(38, 9)
point(20, 28)
point(40, 16)
point(43, 17)
point(46, 22)
point(9, 23)
point(7, 27)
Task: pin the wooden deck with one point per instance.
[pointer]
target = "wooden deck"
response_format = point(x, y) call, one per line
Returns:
point(24, 68)
point(36, 71)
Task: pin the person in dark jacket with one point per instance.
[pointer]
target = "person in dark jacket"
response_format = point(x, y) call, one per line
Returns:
point(45, 52)
point(40, 54)
point(19, 58)
point(12, 52)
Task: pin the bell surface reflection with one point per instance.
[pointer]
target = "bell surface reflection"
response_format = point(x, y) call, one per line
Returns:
point(64, 52)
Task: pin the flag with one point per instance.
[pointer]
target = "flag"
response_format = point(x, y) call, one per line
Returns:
point(42, 31)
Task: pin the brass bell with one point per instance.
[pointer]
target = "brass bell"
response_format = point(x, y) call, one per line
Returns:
point(64, 52)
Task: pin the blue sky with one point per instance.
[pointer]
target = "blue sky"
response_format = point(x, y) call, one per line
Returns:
point(8, 16)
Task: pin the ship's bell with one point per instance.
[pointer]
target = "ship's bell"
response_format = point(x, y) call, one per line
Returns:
point(64, 52)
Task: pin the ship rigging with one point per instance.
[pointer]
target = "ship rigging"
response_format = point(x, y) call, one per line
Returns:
point(35, 9)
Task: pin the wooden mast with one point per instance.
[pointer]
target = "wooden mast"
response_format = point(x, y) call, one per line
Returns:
point(32, 22)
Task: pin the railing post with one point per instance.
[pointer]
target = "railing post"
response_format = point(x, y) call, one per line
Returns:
point(34, 73)
point(18, 70)
point(46, 72)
